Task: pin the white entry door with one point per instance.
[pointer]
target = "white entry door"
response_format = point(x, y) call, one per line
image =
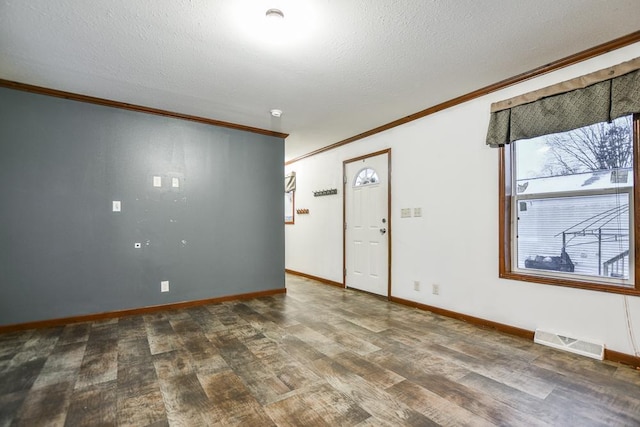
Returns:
point(367, 224)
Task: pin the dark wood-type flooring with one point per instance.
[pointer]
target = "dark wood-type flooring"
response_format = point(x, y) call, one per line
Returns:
point(318, 356)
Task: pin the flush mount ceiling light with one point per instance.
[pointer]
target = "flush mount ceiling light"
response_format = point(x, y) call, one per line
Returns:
point(267, 26)
point(275, 14)
point(276, 113)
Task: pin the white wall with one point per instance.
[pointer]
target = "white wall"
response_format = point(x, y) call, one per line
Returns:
point(441, 164)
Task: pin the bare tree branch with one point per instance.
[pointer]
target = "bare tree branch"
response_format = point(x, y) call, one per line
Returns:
point(598, 147)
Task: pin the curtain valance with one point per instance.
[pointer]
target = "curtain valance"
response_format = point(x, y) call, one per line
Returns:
point(601, 96)
point(290, 182)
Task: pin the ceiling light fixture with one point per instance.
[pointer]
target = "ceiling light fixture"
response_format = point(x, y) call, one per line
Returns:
point(275, 14)
point(265, 24)
point(276, 113)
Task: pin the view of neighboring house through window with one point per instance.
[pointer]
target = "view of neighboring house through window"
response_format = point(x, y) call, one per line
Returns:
point(572, 204)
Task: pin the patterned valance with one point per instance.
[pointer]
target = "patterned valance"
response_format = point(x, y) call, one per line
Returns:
point(597, 97)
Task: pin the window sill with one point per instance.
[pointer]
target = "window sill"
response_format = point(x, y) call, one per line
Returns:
point(570, 283)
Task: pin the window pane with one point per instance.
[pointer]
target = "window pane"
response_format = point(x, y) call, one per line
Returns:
point(600, 147)
point(571, 210)
point(592, 230)
point(366, 176)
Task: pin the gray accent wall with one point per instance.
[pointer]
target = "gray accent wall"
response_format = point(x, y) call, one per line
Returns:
point(64, 252)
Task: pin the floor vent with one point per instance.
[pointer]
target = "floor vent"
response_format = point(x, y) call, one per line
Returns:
point(574, 345)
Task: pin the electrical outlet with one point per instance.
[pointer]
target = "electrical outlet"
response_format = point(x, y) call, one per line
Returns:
point(405, 213)
point(416, 285)
point(164, 286)
point(435, 289)
point(417, 212)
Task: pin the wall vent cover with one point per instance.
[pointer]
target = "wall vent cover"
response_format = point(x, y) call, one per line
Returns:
point(574, 345)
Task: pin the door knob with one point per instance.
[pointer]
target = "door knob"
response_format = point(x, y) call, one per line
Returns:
point(383, 230)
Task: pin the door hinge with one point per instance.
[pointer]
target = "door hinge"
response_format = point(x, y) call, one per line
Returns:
point(345, 272)
point(344, 179)
point(345, 225)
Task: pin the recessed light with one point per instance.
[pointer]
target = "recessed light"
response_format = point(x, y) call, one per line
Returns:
point(276, 113)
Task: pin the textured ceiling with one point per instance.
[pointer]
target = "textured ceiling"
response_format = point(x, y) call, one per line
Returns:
point(336, 68)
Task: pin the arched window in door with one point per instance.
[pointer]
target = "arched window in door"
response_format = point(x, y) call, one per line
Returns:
point(366, 176)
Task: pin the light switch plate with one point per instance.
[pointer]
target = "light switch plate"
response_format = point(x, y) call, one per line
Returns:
point(116, 206)
point(405, 213)
point(417, 212)
point(157, 181)
point(137, 245)
point(164, 286)
point(175, 182)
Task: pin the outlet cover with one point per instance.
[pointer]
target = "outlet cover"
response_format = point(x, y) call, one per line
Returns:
point(416, 285)
point(157, 181)
point(405, 213)
point(435, 290)
point(417, 212)
point(164, 286)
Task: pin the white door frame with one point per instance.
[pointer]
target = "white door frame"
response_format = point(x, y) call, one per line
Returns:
point(344, 213)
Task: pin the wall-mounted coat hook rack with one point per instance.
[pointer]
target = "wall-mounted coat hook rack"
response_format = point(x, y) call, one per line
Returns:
point(325, 192)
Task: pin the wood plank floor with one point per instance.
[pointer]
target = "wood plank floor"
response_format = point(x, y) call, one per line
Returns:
point(318, 356)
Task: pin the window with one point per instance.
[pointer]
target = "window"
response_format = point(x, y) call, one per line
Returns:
point(366, 176)
point(568, 207)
